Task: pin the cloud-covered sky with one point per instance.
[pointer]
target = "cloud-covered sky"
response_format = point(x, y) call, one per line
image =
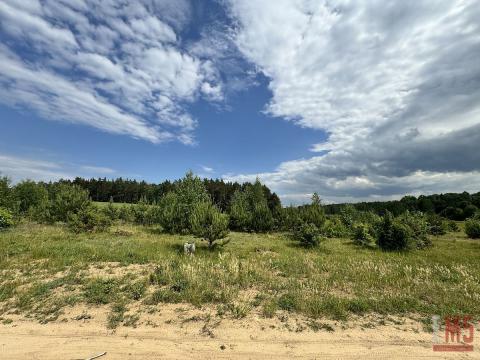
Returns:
point(357, 100)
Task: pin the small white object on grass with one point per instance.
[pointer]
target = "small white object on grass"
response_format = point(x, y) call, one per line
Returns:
point(189, 249)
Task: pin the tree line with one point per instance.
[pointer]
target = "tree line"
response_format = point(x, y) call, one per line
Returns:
point(189, 208)
point(453, 206)
point(131, 191)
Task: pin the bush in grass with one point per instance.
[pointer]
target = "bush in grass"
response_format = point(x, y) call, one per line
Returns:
point(334, 228)
point(362, 235)
point(393, 235)
point(472, 228)
point(169, 217)
point(452, 226)
point(348, 214)
point(307, 234)
point(7, 198)
point(30, 195)
point(453, 213)
point(68, 200)
point(111, 211)
point(125, 213)
point(140, 212)
point(262, 218)
point(240, 215)
point(287, 218)
point(6, 219)
point(436, 225)
point(88, 219)
point(249, 209)
point(418, 225)
point(208, 223)
point(144, 213)
point(313, 213)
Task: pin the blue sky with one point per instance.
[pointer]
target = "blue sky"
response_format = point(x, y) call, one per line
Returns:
point(357, 100)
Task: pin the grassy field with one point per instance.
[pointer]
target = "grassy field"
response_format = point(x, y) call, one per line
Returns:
point(44, 269)
point(103, 204)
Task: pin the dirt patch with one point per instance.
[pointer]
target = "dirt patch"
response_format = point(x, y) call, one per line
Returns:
point(113, 269)
point(183, 331)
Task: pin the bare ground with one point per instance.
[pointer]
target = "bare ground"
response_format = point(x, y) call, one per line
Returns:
point(182, 331)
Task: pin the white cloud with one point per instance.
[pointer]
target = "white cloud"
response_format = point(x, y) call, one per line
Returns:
point(396, 86)
point(20, 168)
point(207, 169)
point(105, 64)
point(100, 170)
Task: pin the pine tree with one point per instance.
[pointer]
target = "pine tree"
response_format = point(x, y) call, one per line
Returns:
point(208, 223)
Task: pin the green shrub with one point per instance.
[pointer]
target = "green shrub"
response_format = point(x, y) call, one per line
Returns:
point(125, 213)
point(436, 225)
point(6, 219)
point(287, 302)
point(313, 213)
point(418, 225)
point(169, 218)
point(452, 213)
point(249, 209)
point(7, 199)
point(452, 226)
point(111, 211)
point(287, 218)
point(30, 195)
point(140, 212)
point(348, 214)
point(362, 235)
point(100, 291)
point(393, 235)
point(334, 228)
point(67, 200)
point(307, 235)
point(208, 223)
point(240, 215)
point(472, 228)
point(262, 219)
point(88, 219)
point(145, 214)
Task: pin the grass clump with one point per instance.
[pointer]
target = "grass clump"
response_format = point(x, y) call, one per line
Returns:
point(100, 291)
point(116, 315)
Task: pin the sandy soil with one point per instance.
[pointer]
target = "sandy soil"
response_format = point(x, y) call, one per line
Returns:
point(180, 332)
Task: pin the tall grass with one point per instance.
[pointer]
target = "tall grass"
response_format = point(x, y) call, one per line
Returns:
point(265, 271)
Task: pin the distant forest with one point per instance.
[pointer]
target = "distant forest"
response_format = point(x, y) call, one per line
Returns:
point(131, 191)
point(455, 206)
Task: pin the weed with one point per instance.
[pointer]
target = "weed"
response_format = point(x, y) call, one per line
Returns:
point(100, 291)
point(116, 315)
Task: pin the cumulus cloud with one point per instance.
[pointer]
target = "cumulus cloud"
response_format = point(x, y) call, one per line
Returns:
point(117, 66)
point(395, 85)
